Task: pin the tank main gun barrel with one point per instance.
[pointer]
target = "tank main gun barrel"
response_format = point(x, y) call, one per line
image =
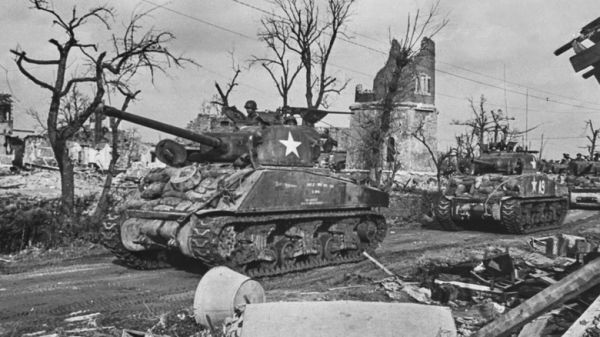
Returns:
point(156, 125)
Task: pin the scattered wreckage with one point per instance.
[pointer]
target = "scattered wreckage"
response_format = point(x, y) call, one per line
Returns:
point(250, 199)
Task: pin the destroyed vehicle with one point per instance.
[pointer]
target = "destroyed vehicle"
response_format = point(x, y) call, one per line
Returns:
point(250, 199)
point(504, 189)
point(583, 181)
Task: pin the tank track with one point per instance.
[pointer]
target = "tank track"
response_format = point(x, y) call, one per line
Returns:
point(443, 212)
point(523, 216)
point(207, 240)
point(111, 239)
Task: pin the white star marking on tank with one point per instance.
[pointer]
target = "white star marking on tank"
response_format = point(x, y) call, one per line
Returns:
point(291, 146)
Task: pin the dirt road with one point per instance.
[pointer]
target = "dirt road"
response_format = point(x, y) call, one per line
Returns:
point(111, 295)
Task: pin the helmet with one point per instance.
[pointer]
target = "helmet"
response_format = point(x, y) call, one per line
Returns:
point(250, 105)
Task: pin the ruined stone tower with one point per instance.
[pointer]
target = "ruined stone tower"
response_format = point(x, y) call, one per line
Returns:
point(413, 103)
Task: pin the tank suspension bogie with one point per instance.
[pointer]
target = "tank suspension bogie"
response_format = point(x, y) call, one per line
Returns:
point(257, 245)
point(515, 215)
point(299, 244)
point(443, 212)
point(521, 216)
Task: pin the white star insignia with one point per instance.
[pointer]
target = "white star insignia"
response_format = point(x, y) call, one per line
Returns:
point(291, 146)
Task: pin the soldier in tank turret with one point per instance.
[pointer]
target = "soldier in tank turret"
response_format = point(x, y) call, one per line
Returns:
point(251, 114)
point(327, 142)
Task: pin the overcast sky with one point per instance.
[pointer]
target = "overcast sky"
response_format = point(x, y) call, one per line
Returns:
point(484, 43)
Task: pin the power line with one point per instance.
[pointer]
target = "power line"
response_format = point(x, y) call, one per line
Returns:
point(546, 99)
point(208, 23)
point(516, 84)
point(442, 62)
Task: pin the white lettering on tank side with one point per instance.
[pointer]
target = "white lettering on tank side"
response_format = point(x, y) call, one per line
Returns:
point(320, 185)
point(285, 184)
point(312, 201)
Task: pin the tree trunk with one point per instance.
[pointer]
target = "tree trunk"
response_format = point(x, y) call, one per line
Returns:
point(67, 178)
point(103, 202)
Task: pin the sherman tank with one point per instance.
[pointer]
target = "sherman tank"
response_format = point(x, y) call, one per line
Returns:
point(504, 188)
point(251, 199)
point(583, 182)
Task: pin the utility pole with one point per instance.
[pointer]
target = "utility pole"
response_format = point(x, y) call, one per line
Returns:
point(526, 117)
point(505, 102)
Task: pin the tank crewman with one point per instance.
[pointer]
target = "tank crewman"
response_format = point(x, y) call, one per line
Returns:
point(566, 158)
point(579, 157)
point(597, 156)
point(289, 119)
point(251, 114)
point(327, 142)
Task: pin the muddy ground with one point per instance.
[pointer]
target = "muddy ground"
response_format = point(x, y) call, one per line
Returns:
point(82, 289)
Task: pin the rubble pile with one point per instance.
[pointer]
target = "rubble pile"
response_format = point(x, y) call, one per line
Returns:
point(42, 183)
point(411, 208)
point(33, 221)
point(484, 291)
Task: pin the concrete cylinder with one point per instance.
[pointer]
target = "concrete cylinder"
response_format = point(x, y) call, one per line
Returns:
point(220, 291)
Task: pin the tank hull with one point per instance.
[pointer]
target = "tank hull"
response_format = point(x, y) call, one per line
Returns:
point(514, 215)
point(517, 203)
point(261, 222)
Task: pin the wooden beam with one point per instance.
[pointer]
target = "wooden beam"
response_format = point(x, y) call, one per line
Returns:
point(585, 321)
point(586, 58)
point(536, 327)
point(569, 287)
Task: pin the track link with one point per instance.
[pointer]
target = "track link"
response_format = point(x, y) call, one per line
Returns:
point(207, 246)
point(208, 240)
point(111, 239)
point(443, 212)
point(517, 217)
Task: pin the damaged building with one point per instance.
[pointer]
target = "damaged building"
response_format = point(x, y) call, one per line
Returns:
point(413, 105)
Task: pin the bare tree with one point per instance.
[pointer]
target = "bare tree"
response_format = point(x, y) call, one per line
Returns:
point(39, 119)
point(130, 53)
point(480, 124)
point(299, 27)
point(276, 35)
point(103, 201)
point(486, 123)
point(438, 159)
point(592, 137)
point(224, 94)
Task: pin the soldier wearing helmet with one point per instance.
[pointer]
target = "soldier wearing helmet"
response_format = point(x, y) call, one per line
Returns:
point(251, 107)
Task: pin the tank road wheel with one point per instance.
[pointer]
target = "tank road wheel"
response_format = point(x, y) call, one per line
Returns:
point(443, 212)
point(331, 249)
point(561, 208)
point(111, 239)
point(367, 232)
point(511, 215)
point(286, 253)
point(265, 264)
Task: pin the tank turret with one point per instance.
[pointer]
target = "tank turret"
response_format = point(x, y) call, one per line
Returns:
point(276, 145)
